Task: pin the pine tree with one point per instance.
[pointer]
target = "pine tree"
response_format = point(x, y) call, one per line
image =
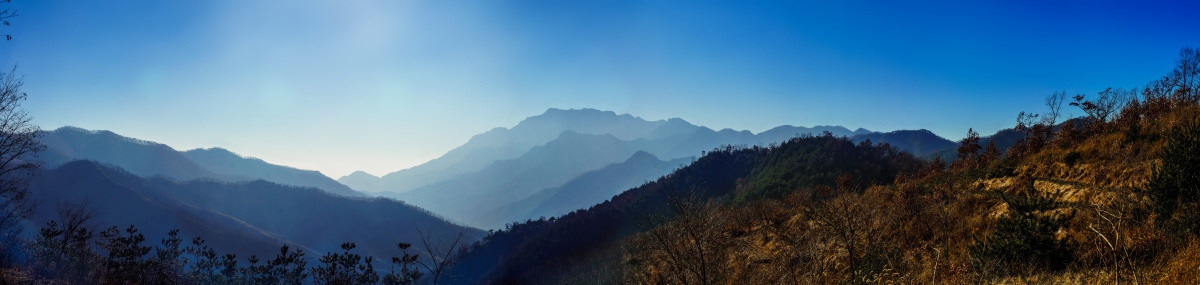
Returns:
point(990, 154)
point(1175, 184)
point(968, 150)
point(125, 262)
point(408, 268)
point(345, 268)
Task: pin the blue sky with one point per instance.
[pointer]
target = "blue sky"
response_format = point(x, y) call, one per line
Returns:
point(380, 85)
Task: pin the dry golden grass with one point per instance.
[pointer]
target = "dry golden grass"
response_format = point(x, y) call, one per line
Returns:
point(1182, 267)
point(921, 229)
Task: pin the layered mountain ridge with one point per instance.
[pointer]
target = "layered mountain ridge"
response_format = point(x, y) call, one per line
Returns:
point(504, 167)
point(149, 159)
point(244, 218)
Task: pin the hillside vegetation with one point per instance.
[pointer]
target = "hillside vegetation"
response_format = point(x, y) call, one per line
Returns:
point(586, 244)
point(1107, 198)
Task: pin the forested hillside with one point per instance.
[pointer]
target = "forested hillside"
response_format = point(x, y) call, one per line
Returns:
point(586, 244)
point(1109, 197)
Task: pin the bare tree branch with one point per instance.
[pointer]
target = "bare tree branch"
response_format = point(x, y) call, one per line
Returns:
point(18, 149)
point(439, 253)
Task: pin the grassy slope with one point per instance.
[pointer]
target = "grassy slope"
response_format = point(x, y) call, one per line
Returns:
point(1087, 189)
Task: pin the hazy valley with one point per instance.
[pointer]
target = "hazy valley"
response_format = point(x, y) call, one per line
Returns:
point(585, 142)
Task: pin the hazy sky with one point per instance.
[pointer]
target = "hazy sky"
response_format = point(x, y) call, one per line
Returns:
point(380, 85)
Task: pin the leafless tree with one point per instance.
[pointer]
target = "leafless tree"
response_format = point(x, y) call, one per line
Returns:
point(1107, 103)
point(1054, 104)
point(1114, 240)
point(689, 245)
point(76, 216)
point(5, 14)
point(1182, 86)
point(18, 147)
point(1025, 123)
point(438, 254)
point(846, 219)
point(1187, 72)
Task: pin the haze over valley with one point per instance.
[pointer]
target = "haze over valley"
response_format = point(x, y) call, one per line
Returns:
point(599, 142)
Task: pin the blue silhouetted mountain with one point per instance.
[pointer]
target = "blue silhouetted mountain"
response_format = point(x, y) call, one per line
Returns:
point(121, 199)
point(149, 159)
point(243, 217)
point(917, 142)
point(358, 178)
point(238, 168)
point(585, 190)
point(466, 197)
point(679, 139)
point(317, 219)
point(480, 171)
point(142, 158)
point(503, 144)
point(782, 133)
point(1003, 139)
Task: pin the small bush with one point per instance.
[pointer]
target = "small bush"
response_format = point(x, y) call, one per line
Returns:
point(1024, 240)
point(1071, 157)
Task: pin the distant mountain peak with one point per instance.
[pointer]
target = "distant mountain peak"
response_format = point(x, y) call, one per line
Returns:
point(217, 150)
point(919, 142)
point(105, 133)
point(222, 152)
point(359, 173)
point(917, 131)
point(787, 131)
point(581, 110)
point(678, 121)
point(577, 137)
point(556, 114)
point(729, 131)
point(74, 129)
point(642, 155)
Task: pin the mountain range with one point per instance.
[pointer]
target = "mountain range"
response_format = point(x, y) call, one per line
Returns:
point(546, 166)
point(244, 218)
point(497, 177)
point(240, 204)
point(151, 159)
point(584, 190)
point(509, 143)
